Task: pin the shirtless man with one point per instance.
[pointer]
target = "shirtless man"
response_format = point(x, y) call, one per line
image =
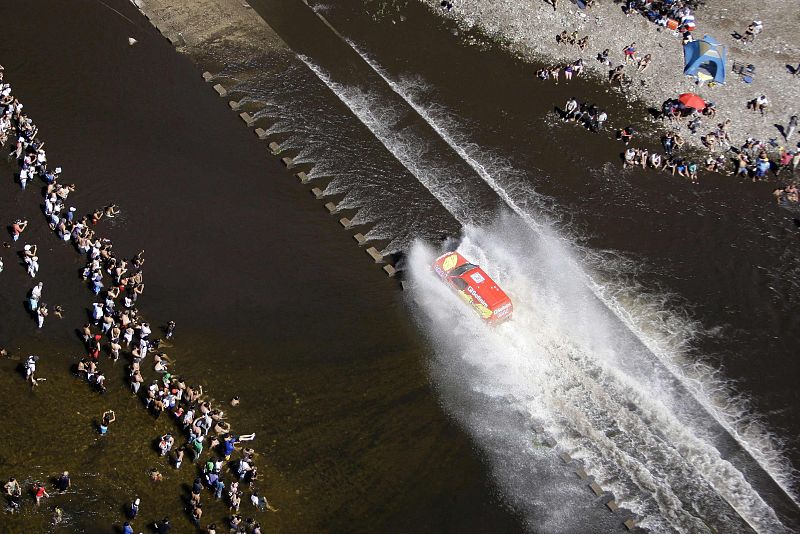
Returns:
point(13, 493)
point(17, 228)
point(111, 211)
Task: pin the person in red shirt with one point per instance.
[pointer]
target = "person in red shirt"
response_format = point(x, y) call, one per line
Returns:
point(39, 492)
point(786, 160)
point(17, 228)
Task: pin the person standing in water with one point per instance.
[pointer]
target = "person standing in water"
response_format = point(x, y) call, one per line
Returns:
point(36, 295)
point(108, 418)
point(41, 313)
point(133, 509)
point(170, 330)
point(39, 492)
point(13, 493)
point(17, 228)
point(63, 483)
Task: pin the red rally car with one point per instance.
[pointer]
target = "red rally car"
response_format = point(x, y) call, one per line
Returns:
point(474, 286)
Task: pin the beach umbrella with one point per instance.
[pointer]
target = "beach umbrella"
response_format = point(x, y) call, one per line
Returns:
point(691, 100)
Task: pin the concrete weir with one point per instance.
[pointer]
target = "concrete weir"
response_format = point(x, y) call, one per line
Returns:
point(190, 26)
point(246, 117)
point(375, 255)
point(596, 489)
point(221, 91)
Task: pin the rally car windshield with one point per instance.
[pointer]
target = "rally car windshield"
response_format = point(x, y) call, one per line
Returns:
point(461, 269)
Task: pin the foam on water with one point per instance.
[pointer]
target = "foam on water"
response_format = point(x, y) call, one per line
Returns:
point(382, 121)
point(347, 160)
point(563, 362)
point(665, 330)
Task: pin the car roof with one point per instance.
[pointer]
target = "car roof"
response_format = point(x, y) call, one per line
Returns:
point(484, 286)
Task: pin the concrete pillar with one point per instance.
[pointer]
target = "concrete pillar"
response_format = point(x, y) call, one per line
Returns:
point(581, 472)
point(317, 192)
point(596, 489)
point(390, 270)
point(344, 221)
point(233, 104)
point(565, 457)
point(275, 147)
point(630, 524)
point(360, 239)
point(373, 252)
point(287, 161)
point(331, 207)
point(247, 118)
point(612, 505)
point(221, 91)
point(549, 441)
point(261, 133)
point(207, 76)
point(303, 177)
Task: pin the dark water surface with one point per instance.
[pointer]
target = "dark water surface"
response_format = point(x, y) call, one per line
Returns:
point(275, 303)
point(724, 254)
point(272, 300)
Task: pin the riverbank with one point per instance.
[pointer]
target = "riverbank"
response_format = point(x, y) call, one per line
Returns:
point(529, 29)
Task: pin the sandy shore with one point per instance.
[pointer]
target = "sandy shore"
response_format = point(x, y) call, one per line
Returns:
point(528, 29)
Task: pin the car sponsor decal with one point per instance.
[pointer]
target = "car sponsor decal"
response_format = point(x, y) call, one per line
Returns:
point(503, 310)
point(449, 262)
point(477, 297)
point(477, 278)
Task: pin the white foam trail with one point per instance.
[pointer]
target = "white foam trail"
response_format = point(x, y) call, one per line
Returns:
point(560, 360)
point(451, 142)
point(764, 451)
point(381, 120)
point(406, 150)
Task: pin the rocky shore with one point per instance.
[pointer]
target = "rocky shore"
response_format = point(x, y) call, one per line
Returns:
point(529, 29)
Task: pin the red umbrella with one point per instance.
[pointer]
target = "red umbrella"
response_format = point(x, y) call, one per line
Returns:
point(691, 100)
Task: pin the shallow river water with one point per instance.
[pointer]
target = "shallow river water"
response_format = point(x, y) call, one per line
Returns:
point(654, 332)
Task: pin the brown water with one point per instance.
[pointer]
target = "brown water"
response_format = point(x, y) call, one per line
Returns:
point(722, 254)
point(274, 302)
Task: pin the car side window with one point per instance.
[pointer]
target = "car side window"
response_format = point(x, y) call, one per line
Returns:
point(459, 283)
